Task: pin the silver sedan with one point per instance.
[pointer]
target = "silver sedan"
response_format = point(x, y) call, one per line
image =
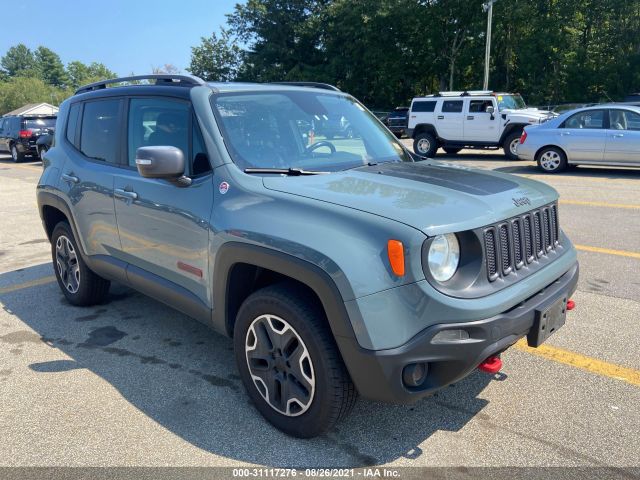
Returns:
point(600, 135)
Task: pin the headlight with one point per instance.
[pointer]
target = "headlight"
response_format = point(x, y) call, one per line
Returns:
point(443, 257)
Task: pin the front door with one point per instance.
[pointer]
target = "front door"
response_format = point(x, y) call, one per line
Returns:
point(450, 120)
point(480, 126)
point(583, 136)
point(623, 137)
point(164, 228)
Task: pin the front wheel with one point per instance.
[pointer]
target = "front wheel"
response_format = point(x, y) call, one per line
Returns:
point(551, 160)
point(78, 283)
point(289, 362)
point(425, 145)
point(510, 145)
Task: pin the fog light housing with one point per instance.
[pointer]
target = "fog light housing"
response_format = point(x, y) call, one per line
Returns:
point(414, 374)
point(454, 335)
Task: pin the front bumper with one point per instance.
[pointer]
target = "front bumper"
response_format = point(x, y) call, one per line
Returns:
point(377, 374)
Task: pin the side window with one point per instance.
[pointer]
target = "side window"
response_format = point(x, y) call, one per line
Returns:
point(422, 106)
point(479, 106)
point(72, 123)
point(586, 119)
point(200, 164)
point(452, 106)
point(99, 132)
point(624, 120)
point(157, 122)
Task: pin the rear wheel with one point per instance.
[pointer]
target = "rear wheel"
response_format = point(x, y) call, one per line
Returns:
point(451, 151)
point(78, 283)
point(16, 156)
point(425, 144)
point(289, 362)
point(551, 160)
point(510, 145)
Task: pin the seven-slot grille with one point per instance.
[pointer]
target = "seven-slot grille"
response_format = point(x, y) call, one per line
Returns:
point(519, 241)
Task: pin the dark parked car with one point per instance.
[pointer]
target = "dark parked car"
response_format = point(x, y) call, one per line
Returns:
point(397, 121)
point(19, 134)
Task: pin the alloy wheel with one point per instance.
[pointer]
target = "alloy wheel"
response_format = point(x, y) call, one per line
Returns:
point(550, 160)
point(423, 145)
point(513, 146)
point(280, 365)
point(67, 264)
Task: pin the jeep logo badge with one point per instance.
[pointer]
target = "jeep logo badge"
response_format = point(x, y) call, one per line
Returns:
point(519, 202)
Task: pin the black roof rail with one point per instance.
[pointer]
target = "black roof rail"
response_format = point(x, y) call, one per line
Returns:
point(324, 86)
point(161, 79)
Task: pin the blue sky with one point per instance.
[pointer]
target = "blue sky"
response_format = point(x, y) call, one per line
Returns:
point(127, 36)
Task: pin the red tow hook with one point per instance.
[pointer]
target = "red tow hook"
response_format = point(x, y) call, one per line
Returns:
point(571, 304)
point(491, 365)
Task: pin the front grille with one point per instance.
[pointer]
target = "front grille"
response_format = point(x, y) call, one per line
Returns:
point(521, 241)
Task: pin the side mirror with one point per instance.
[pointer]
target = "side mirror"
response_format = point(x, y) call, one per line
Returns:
point(490, 110)
point(46, 140)
point(161, 162)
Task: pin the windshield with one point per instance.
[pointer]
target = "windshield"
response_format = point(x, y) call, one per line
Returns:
point(510, 102)
point(306, 130)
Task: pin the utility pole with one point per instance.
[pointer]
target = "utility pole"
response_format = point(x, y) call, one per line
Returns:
point(487, 7)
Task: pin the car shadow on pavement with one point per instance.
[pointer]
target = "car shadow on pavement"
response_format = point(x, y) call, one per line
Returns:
point(183, 376)
point(575, 172)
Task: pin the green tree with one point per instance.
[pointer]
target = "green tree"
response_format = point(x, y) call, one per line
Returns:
point(19, 91)
point(81, 74)
point(18, 61)
point(217, 58)
point(49, 67)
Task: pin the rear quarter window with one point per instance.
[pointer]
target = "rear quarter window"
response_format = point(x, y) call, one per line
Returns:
point(423, 106)
point(72, 124)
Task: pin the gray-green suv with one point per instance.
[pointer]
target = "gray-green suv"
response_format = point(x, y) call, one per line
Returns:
point(339, 266)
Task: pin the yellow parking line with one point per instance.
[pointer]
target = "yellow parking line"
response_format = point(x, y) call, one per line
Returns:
point(32, 283)
point(599, 204)
point(583, 362)
point(608, 251)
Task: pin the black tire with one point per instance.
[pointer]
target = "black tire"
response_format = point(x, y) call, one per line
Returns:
point(451, 151)
point(508, 144)
point(551, 160)
point(16, 156)
point(91, 288)
point(332, 395)
point(425, 144)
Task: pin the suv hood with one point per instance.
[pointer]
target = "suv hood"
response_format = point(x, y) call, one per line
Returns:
point(529, 113)
point(431, 196)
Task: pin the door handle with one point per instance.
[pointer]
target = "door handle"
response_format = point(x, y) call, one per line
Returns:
point(469, 117)
point(617, 135)
point(440, 117)
point(125, 194)
point(564, 134)
point(69, 178)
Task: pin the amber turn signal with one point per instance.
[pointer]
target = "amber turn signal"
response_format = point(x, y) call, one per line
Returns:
point(395, 250)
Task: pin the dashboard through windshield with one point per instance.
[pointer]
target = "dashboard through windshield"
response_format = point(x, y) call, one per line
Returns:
point(301, 129)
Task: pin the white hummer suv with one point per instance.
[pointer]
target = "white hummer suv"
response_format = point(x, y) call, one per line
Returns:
point(470, 119)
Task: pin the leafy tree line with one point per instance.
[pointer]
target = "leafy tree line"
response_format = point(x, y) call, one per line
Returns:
point(387, 51)
point(37, 76)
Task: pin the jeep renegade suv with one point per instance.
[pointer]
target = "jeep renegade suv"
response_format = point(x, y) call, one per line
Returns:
point(474, 119)
point(338, 266)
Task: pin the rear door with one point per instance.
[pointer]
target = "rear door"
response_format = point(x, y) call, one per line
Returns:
point(163, 227)
point(583, 135)
point(91, 144)
point(623, 137)
point(450, 120)
point(3, 138)
point(479, 126)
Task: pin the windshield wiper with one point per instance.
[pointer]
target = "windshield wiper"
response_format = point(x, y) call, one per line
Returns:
point(294, 172)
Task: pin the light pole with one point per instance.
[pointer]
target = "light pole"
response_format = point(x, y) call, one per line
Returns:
point(487, 7)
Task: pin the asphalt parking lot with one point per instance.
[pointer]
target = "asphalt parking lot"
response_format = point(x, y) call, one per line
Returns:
point(132, 382)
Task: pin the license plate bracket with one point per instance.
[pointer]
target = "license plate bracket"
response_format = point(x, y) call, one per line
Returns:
point(547, 321)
